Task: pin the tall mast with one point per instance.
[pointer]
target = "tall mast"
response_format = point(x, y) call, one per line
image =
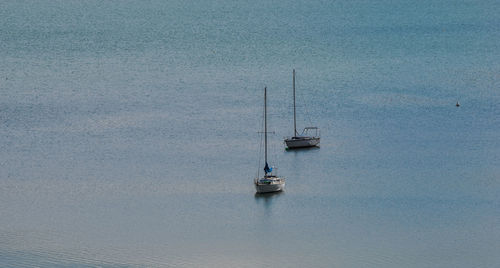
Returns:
point(265, 123)
point(294, 117)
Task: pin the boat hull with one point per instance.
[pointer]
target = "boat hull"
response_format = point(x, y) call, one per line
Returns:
point(269, 186)
point(302, 142)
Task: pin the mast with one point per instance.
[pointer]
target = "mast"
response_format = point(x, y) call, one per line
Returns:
point(265, 124)
point(294, 117)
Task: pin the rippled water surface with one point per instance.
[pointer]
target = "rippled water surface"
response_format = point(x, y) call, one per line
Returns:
point(128, 133)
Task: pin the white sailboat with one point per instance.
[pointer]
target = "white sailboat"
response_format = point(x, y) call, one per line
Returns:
point(270, 182)
point(304, 139)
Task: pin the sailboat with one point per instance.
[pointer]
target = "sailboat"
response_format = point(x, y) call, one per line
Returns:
point(270, 182)
point(304, 139)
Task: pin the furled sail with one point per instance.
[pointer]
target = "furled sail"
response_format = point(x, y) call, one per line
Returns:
point(267, 169)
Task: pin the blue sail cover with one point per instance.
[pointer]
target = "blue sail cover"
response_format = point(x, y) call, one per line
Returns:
point(267, 169)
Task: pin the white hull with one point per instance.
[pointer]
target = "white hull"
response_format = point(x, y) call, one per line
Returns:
point(302, 142)
point(268, 185)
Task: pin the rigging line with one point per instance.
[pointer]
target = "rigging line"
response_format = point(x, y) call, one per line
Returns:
point(260, 157)
point(261, 143)
point(275, 154)
point(307, 115)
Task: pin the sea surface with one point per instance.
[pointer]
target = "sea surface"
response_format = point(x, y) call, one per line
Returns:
point(129, 133)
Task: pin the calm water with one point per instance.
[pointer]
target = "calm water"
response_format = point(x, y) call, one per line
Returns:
point(128, 133)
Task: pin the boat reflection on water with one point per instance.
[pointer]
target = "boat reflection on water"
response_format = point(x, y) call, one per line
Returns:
point(268, 198)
